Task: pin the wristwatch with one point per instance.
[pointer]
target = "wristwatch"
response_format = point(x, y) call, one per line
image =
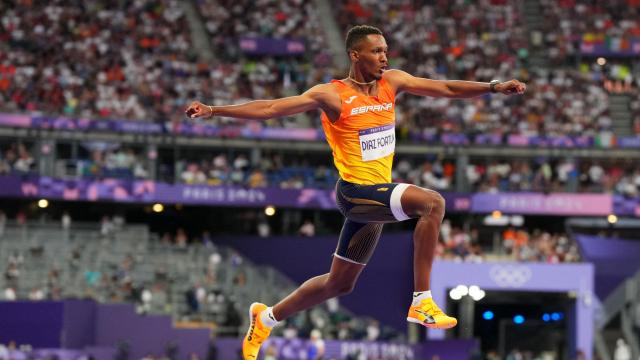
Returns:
point(492, 85)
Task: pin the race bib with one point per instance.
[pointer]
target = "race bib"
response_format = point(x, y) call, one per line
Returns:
point(378, 142)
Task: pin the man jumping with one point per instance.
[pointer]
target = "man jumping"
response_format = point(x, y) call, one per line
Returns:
point(359, 122)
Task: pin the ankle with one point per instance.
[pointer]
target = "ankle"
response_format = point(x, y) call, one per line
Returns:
point(418, 296)
point(267, 318)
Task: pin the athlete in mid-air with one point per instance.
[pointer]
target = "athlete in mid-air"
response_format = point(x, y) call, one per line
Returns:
point(359, 122)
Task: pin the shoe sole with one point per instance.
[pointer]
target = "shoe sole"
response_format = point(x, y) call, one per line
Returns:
point(430, 326)
point(251, 308)
point(247, 334)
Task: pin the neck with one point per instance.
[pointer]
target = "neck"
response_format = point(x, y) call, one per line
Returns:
point(362, 83)
point(352, 78)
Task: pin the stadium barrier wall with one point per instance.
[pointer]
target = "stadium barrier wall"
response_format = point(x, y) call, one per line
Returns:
point(70, 329)
point(256, 130)
point(84, 324)
point(146, 191)
point(295, 349)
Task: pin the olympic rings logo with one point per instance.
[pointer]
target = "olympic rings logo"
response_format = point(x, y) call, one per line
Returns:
point(513, 276)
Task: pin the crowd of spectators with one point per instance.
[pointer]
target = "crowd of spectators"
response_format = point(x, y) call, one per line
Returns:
point(612, 25)
point(97, 59)
point(227, 21)
point(517, 244)
point(568, 23)
point(265, 77)
point(296, 172)
point(133, 70)
point(270, 171)
point(479, 42)
point(123, 163)
point(539, 175)
point(135, 60)
point(480, 175)
point(556, 103)
point(16, 158)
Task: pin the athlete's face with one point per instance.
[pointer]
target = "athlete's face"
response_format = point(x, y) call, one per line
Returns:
point(370, 56)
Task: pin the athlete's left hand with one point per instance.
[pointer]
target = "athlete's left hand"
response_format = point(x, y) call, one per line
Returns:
point(511, 87)
point(197, 109)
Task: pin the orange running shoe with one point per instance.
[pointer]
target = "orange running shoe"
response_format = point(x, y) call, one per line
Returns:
point(257, 333)
point(430, 315)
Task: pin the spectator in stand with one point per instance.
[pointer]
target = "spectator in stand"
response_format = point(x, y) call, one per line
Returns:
point(16, 159)
point(181, 238)
point(622, 351)
point(9, 294)
point(307, 229)
point(65, 221)
point(316, 347)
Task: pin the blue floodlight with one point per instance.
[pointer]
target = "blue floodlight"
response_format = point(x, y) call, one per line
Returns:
point(487, 315)
point(556, 316)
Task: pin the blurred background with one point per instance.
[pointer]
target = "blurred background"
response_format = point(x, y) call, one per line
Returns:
point(129, 232)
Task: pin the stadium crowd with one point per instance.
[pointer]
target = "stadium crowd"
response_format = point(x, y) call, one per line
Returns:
point(154, 73)
point(541, 175)
point(297, 172)
point(499, 175)
point(228, 21)
point(97, 59)
point(569, 22)
point(517, 244)
point(122, 163)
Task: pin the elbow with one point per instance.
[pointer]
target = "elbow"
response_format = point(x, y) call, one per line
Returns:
point(270, 111)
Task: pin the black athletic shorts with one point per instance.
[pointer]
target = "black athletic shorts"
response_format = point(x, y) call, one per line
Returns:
point(366, 208)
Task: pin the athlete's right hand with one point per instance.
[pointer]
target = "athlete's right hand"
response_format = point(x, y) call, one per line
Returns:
point(197, 109)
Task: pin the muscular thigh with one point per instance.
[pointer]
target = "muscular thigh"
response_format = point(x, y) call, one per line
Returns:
point(419, 202)
point(379, 203)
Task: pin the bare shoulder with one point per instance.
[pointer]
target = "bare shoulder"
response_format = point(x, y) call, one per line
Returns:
point(396, 78)
point(322, 89)
point(324, 94)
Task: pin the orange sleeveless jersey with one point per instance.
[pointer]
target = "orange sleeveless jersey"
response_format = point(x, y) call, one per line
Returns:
point(363, 138)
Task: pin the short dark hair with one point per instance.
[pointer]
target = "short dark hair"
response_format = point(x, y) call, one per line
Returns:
point(359, 32)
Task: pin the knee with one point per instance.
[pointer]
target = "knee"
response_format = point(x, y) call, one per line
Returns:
point(339, 287)
point(434, 206)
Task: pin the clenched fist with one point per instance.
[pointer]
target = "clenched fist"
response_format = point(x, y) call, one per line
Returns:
point(197, 109)
point(511, 87)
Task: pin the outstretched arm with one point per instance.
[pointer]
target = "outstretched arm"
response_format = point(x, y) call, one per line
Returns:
point(448, 88)
point(316, 97)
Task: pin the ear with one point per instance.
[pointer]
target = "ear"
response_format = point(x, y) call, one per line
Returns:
point(354, 56)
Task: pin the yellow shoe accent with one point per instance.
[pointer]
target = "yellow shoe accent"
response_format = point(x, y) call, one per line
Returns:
point(256, 334)
point(430, 315)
